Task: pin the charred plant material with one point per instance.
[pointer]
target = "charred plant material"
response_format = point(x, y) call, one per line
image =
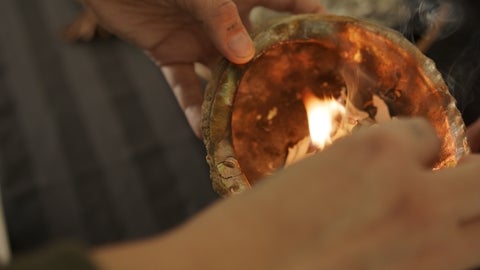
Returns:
point(253, 114)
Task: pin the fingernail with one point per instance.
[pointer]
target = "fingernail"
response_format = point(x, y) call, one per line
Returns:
point(241, 45)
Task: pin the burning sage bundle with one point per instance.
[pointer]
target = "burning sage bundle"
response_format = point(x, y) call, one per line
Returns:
point(315, 79)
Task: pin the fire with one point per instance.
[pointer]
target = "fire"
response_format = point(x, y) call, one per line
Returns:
point(324, 116)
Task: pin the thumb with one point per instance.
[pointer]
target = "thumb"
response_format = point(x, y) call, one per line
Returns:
point(224, 26)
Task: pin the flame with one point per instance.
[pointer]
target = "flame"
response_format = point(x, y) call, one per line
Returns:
point(323, 118)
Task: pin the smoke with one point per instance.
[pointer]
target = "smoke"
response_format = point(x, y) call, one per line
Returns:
point(450, 26)
point(413, 18)
point(447, 30)
point(456, 48)
point(463, 76)
point(424, 16)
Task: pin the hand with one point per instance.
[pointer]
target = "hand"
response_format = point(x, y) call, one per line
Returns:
point(473, 134)
point(179, 33)
point(370, 201)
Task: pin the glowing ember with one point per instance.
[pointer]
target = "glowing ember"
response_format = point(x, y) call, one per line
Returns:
point(324, 117)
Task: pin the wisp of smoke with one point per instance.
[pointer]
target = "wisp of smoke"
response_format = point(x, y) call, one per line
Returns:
point(426, 15)
point(463, 75)
point(414, 18)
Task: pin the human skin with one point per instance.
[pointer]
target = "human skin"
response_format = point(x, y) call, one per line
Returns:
point(370, 201)
point(176, 34)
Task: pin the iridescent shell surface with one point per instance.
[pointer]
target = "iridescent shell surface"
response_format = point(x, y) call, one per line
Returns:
point(252, 113)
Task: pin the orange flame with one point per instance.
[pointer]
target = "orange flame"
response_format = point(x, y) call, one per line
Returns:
point(323, 117)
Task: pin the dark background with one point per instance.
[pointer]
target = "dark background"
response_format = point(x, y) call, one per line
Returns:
point(92, 143)
point(458, 58)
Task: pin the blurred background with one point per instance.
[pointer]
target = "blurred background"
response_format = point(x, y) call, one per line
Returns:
point(93, 145)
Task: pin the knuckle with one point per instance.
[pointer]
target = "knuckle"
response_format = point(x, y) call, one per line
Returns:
point(211, 11)
point(222, 15)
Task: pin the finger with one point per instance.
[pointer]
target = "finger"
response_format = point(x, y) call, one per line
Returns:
point(473, 135)
point(187, 89)
point(203, 71)
point(414, 139)
point(224, 26)
point(294, 6)
point(461, 188)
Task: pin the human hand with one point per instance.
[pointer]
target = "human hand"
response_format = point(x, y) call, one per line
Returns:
point(370, 201)
point(177, 34)
point(473, 134)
